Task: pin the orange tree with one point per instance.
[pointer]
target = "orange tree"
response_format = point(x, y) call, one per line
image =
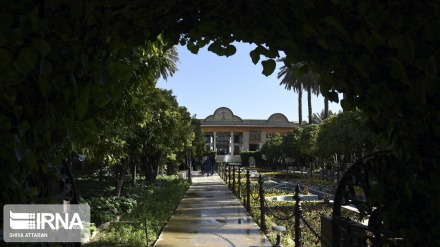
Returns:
point(59, 58)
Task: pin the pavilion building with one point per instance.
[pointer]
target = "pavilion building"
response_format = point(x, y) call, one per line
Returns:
point(228, 134)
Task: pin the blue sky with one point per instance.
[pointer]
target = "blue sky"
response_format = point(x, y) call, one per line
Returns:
point(206, 82)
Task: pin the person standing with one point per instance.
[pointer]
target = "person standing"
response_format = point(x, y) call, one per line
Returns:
point(211, 157)
point(208, 166)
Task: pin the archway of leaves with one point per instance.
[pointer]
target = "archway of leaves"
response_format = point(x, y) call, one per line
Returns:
point(73, 58)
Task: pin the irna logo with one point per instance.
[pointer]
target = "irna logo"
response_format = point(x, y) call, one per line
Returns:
point(54, 221)
point(59, 223)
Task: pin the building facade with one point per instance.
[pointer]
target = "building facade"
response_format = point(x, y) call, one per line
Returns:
point(228, 134)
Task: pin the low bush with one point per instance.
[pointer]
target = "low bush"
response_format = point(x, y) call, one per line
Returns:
point(143, 224)
point(104, 209)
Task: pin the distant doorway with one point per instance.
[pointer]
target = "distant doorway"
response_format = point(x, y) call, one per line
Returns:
point(251, 162)
point(222, 149)
point(236, 150)
point(222, 143)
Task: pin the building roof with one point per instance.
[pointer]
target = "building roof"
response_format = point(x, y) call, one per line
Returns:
point(223, 116)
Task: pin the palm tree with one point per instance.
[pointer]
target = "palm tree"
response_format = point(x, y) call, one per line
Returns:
point(167, 65)
point(310, 83)
point(307, 81)
point(292, 83)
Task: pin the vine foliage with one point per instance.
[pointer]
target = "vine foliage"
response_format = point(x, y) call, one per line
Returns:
point(62, 61)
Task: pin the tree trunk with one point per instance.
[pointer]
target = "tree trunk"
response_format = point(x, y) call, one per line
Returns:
point(158, 159)
point(309, 102)
point(150, 171)
point(101, 171)
point(145, 165)
point(133, 167)
point(325, 108)
point(121, 177)
point(300, 105)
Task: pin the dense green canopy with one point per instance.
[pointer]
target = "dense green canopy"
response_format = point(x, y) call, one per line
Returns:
point(62, 61)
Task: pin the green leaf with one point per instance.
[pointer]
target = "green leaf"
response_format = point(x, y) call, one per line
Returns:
point(44, 86)
point(31, 160)
point(80, 108)
point(26, 60)
point(82, 104)
point(18, 110)
point(230, 50)
point(431, 30)
point(332, 21)
point(42, 46)
point(360, 67)
point(333, 97)
point(215, 47)
point(202, 42)
point(321, 42)
point(3, 39)
point(377, 36)
point(431, 68)
point(5, 57)
point(20, 151)
point(208, 26)
point(398, 70)
point(34, 18)
point(90, 8)
point(194, 49)
point(45, 68)
point(309, 29)
point(23, 127)
point(404, 46)
point(255, 56)
point(13, 179)
point(6, 21)
point(85, 61)
point(268, 67)
point(101, 100)
point(346, 105)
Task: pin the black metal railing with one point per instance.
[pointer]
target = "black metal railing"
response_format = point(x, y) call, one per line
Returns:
point(345, 232)
point(237, 187)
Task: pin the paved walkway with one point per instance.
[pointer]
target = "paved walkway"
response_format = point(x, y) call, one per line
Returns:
point(209, 215)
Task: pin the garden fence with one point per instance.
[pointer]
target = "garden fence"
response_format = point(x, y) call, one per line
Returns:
point(232, 175)
point(344, 231)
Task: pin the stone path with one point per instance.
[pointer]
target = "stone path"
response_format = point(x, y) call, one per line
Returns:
point(209, 215)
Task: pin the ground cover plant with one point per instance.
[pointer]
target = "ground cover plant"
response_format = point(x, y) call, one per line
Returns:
point(311, 183)
point(99, 194)
point(144, 214)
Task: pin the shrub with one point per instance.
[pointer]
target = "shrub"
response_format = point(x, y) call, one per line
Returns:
point(155, 207)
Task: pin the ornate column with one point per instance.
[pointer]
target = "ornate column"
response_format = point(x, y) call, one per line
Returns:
point(215, 141)
point(245, 141)
point(208, 141)
point(231, 145)
point(263, 139)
